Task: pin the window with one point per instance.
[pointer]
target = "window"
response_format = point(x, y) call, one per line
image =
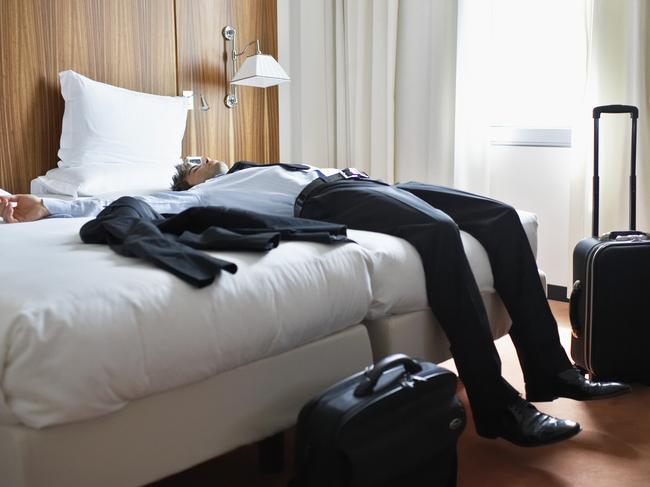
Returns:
point(537, 70)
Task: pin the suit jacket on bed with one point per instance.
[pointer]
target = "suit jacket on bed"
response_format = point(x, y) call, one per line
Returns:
point(132, 228)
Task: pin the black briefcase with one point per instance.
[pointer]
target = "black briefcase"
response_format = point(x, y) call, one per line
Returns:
point(610, 301)
point(397, 423)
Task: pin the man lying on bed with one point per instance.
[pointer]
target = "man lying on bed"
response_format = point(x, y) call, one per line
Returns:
point(429, 217)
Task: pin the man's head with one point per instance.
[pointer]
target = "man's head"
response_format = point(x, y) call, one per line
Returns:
point(188, 175)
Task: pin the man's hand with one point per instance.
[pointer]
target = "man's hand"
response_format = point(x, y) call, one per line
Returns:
point(28, 208)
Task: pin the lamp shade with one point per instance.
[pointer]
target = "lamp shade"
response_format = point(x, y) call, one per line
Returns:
point(260, 70)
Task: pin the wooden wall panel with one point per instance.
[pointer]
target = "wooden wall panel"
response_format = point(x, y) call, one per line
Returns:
point(202, 69)
point(154, 46)
point(256, 118)
point(249, 131)
point(129, 43)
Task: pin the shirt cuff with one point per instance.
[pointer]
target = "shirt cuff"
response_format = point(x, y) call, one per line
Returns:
point(57, 208)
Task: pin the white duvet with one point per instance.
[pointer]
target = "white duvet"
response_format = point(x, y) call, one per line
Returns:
point(83, 331)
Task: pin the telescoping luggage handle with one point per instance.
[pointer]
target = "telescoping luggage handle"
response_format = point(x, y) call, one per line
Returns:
point(630, 235)
point(372, 374)
point(634, 114)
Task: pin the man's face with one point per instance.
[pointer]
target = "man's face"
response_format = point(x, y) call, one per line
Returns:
point(204, 171)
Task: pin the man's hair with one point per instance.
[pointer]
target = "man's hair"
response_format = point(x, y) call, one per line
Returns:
point(179, 183)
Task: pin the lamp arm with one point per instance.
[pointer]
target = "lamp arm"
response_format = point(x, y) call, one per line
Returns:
point(230, 34)
point(237, 54)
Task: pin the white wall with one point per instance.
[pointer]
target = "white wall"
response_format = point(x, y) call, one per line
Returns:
point(537, 179)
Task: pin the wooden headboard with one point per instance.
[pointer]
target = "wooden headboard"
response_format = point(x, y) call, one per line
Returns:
point(161, 46)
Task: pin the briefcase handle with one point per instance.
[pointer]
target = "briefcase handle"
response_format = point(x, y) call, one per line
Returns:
point(372, 374)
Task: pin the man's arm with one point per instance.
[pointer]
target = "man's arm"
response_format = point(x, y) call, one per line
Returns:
point(82, 207)
point(28, 208)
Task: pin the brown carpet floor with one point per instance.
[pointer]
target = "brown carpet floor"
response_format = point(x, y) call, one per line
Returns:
point(613, 450)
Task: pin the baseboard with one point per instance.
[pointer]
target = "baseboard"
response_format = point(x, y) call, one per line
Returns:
point(557, 293)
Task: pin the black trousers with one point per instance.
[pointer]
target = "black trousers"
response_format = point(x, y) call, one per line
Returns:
point(429, 217)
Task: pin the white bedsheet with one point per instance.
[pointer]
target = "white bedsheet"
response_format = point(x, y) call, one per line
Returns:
point(83, 331)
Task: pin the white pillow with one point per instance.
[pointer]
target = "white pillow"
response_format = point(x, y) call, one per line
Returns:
point(105, 124)
point(95, 179)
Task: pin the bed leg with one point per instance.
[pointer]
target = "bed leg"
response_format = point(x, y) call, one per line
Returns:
point(271, 454)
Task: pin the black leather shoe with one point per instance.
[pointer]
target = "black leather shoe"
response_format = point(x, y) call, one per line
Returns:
point(572, 384)
point(522, 424)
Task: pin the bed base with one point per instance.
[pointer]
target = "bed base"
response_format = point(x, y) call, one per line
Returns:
point(160, 435)
point(420, 335)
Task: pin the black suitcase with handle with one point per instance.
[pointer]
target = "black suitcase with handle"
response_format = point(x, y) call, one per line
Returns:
point(610, 301)
point(396, 423)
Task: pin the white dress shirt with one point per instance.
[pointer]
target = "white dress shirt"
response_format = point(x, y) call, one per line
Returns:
point(266, 189)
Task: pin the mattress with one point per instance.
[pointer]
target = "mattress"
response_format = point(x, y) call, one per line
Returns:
point(397, 277)
point(84, 331)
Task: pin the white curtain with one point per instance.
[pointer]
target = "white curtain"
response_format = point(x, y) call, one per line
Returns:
point(426, 91)
point(365, 40)
point(373, 86)
point(338, 110)
point(472, 95)
point(617, 73)
point(306, 50)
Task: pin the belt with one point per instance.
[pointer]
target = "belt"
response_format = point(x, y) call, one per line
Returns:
point(347, 173)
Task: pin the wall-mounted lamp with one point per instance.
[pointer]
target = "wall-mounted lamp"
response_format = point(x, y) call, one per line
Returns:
point(259, 70)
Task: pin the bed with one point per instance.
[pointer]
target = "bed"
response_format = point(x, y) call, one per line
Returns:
point(117, 373)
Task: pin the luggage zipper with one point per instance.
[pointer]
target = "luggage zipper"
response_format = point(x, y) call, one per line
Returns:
point(589, 293)
point(589, 289)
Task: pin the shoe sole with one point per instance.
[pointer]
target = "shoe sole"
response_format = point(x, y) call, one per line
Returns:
point(542, 398)
point(557, 439)
point(532, 444)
